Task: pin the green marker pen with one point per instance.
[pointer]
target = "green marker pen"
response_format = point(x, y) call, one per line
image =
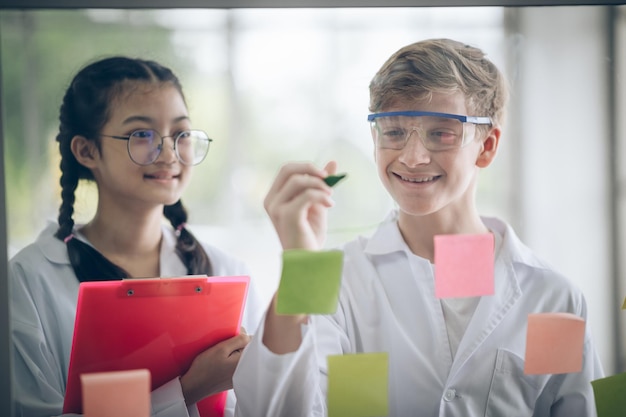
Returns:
point(334, 179)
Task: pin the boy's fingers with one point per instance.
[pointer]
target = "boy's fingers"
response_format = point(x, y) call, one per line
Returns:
point(331, 168)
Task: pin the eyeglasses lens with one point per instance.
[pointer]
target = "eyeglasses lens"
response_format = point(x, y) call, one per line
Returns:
point(192, 146)
point(436, 133)
point(144, 146)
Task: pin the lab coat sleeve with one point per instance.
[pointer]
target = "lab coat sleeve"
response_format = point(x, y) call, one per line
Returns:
point(168, 401)
point(38, 376)
point(292, 384)
point(277, 385)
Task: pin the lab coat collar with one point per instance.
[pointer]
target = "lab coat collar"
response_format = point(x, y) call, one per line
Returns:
point(52, 248)
point(517, 252)
point(387, 238)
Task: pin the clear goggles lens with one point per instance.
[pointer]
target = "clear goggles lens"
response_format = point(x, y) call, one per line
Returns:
point(191, 146)
point(436, 133)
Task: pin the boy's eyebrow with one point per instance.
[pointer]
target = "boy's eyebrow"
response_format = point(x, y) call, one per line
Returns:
point(139, 118)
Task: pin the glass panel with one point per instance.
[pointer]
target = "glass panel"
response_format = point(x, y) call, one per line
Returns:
point(268, 85)
point(275, 85)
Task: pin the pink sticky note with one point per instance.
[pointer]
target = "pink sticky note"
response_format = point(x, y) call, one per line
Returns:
point(464, 265)
point(119, 393)
point(554, 343)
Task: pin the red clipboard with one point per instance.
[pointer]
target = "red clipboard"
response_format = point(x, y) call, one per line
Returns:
point(160, 324)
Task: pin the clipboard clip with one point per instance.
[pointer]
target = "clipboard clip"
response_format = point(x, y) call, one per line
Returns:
point(162, 287)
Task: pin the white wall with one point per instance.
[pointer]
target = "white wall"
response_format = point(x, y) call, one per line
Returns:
point(563, 161)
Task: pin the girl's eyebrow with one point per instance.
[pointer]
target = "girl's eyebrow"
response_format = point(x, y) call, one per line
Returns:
point(147, 119)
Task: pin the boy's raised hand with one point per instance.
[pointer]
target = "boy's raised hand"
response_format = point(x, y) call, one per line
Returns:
point(297, 204)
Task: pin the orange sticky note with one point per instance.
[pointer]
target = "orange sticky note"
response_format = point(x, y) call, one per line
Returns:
point(118, 393)
point(554, 343)
point(464, 265)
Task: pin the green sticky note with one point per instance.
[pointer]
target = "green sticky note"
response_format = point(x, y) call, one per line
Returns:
point(358, 385)
point(334, 179)
point(310, 282)
point(609, 395)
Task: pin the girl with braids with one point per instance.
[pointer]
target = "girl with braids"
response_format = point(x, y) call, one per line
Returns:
point(124, 125)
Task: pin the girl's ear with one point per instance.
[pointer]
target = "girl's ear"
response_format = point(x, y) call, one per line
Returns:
point(489, 148)
point(84, 151)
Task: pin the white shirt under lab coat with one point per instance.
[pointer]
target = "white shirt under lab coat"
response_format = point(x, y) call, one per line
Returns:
point(387, 304)
point(43, 295)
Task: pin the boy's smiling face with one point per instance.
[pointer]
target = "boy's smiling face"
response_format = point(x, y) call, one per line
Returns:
point(424, 182)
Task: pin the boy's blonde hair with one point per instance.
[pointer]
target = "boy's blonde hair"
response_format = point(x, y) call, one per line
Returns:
point(441, 66)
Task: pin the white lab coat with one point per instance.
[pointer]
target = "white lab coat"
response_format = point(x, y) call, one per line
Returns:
point(43, 294)
point(387, 304)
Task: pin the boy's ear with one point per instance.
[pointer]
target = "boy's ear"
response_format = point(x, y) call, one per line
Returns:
point(489, 148)
point(84, 151)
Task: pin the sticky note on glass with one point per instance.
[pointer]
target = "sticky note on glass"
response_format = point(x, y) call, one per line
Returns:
point(624, 305)
point(358, 385)
point(310, 282)
point(610, 395)
point(554, 343)
point(464, 265)
point(118, 393)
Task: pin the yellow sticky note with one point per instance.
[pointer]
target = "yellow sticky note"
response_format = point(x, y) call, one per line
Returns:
point(358, 385)
point(464, 265)
point(554, 343)
point(624, 305)
point(310, 282)
point(609, 395)
point(118, 393)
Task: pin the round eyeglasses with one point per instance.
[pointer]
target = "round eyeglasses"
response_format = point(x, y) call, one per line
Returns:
point(145, 146)
point(437, 131)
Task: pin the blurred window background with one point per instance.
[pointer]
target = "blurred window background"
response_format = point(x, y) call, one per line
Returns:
point(268, 85)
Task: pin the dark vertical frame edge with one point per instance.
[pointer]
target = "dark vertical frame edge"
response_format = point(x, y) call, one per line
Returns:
point(6, 405)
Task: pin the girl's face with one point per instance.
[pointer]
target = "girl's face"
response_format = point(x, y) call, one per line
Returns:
point(143, 106)
point(424, 182)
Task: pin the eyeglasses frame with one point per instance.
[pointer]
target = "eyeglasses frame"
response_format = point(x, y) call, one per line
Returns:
point(127, 138)
point(476, 120)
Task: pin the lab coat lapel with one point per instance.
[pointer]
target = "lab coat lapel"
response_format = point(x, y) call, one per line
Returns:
point(490, 311)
